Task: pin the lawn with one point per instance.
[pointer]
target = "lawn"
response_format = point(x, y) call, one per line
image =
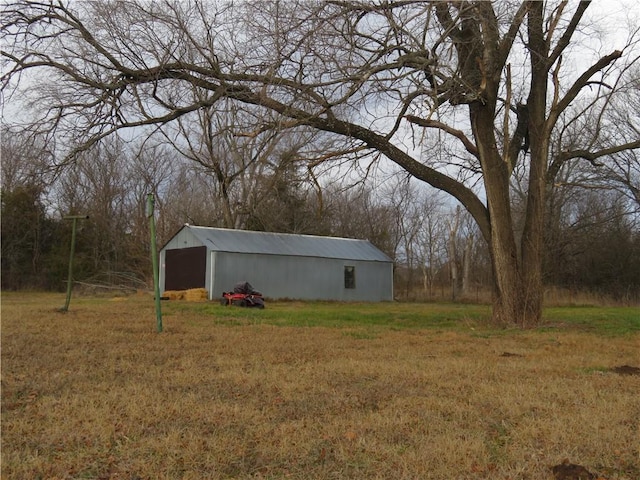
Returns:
point(313, 391)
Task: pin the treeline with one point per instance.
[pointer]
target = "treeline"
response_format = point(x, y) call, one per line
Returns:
point(592, 235)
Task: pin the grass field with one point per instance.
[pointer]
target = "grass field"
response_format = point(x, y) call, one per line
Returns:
point(313, 391)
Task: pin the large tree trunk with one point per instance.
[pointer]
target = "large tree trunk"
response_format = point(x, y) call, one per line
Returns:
point(539, 133)
point(515, 298)
point(510, 295)
point(533, 236)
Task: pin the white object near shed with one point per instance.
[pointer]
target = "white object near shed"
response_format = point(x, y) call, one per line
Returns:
point(279, 265)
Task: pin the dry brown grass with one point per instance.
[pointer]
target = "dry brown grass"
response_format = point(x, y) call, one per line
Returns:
point(553, 296)
point(97, 394)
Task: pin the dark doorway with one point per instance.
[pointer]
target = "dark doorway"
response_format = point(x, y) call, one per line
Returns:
point(185, 268)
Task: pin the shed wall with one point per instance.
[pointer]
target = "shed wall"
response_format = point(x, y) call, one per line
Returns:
point(184, 239)
point(304, 278)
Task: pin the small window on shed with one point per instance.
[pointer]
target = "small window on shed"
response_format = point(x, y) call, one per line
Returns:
point(349, 276)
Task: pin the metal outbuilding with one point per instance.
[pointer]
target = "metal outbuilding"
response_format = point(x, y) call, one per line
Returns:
point(279, 265)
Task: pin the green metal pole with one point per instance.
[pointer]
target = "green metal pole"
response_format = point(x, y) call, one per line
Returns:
point(71, 253)
point(154, 260)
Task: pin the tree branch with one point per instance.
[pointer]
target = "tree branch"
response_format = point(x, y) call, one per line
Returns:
point(579, 84)
point(378, 142)
point(590, 156)
point(507, 40)
point(593, 156)
point(459, 134)
point(568, 33)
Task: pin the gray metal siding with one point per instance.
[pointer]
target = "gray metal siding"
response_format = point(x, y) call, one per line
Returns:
point(185, 239)
point(305, 278)
point(287, 266)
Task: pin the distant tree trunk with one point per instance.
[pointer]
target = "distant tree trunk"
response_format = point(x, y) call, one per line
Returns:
point(453, 269)
point(453, 255)
point(425, 281)
point(466, 265)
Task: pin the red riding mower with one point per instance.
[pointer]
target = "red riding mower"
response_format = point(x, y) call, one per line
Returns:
point(243, 295)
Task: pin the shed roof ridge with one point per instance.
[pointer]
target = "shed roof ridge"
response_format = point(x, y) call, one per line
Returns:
point(260, 232)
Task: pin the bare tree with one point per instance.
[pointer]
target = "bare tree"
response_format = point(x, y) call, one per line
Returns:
point(27, 234)
point(365, 72)
point(431, 247)
point(105, 185)
point(621, 169)
point(237, 151)
point(419, 218)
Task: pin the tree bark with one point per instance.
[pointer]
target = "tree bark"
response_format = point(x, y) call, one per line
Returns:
point(453, 267)
point(466, 265)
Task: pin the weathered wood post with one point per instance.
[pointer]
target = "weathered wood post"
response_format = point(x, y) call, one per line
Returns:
point(72, 250)
point(154, 260)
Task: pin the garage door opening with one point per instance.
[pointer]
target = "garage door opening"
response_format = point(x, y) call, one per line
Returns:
point(185, 268)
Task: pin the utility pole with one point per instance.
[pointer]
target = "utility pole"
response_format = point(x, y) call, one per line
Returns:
point(154, 260)
point(75, 218)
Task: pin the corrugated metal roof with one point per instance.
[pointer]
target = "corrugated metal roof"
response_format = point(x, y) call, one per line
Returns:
point(244, 241)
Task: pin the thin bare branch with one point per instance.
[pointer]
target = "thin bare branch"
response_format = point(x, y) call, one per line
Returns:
point(459, 134)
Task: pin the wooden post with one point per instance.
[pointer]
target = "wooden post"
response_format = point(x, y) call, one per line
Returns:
point(71, 253)
point(154, 260)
